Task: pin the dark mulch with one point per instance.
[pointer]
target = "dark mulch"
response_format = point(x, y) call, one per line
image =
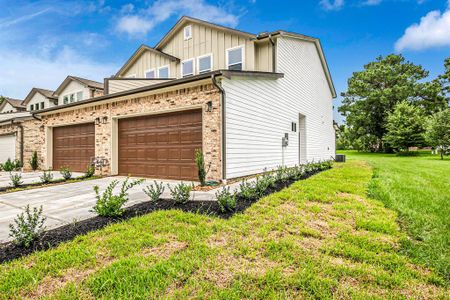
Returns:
point(52, 238)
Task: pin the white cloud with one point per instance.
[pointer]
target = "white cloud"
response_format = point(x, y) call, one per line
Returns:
point(332, 4)
point(371, 2)
point(22, 71)
point(146, 19)
point(432, 31)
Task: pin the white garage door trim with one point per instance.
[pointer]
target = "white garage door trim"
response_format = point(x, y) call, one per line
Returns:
point(7, 147)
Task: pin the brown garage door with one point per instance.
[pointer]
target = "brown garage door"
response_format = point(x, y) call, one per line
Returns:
point(160, 146)
point(73, 146)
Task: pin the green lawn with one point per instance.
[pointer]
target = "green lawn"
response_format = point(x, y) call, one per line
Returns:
point(320, 238)
point(418, 188)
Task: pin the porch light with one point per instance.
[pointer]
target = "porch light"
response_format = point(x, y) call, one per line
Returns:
point(209, 106)
point(97, 121)
point(104, 120)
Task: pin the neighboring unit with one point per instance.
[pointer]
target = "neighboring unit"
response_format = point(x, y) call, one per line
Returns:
point(10, 105)
point(39, 99)
point(250, 102)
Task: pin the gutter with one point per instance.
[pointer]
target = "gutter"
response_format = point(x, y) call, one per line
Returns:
point(224, 140)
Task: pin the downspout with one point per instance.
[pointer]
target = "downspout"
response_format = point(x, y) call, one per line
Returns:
point(273, 52)
point(224, 140)
point(21, 140)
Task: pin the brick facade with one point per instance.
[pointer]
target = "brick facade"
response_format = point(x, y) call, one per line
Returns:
point(186, 98)
point(33, 139)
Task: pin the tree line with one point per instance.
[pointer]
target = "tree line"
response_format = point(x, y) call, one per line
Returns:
point(391, 106)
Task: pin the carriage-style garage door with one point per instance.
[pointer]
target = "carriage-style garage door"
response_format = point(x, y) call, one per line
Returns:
point(73, 146)
point(160, 146)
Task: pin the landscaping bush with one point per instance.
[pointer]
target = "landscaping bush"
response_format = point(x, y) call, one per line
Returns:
point(47, 176)
point(181, 192)
point(262, 183)
point(247, 190)
point(66, 173)
point(226, 200)
point(34, 162)
point(16, 179)
point(281, 174)
point(28, 226)
point(200, 162)
point(154, 191)
point(109, 205)
point(90, 171)
point(8, 166)
point(17, 165)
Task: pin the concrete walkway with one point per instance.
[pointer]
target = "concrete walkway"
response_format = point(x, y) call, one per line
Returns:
point(30, 177)
point(66, 203)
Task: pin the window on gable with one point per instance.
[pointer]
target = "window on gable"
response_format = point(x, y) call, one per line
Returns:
point(204, 64)
point(188, 32)
point(150, 74)
point(66, 99)
point(79, 96)
point(32, 107)
point(163, 72)
point(42, 105)
point(72, 98)
point(234, 58)
point(187, 68)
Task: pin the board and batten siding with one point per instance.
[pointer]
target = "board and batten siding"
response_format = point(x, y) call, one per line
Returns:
point(148, 61)
point(260, 111)
point(120, 85)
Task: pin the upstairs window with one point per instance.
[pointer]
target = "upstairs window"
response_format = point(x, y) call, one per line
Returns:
point(188, 32)
point(42, 105)
point(204, 63)
point(72, 98)
point(32, 107)
point(163, 72)
point(65, 99)
point(235, 58)
point(150, 74)
point(79, 96)
point(187, 68)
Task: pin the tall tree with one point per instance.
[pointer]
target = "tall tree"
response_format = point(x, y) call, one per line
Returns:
point(438, 131)
point(405, 126)
point(444, 80)
point(373, 93)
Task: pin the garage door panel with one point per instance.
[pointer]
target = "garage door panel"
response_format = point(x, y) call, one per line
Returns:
point(168, 148)
point(73, 146)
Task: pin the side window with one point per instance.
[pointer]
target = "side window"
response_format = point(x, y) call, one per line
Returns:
point(187, 68)
point(188, 32)
point(66, 99)
point(79, 96)
point(32, 107)
point(163, 72)
point(150, 74)
point(204, 64)
point(42, 105)
point(72, 98)
point(235, 58)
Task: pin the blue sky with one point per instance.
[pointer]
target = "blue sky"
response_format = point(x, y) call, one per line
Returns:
point(41, 42)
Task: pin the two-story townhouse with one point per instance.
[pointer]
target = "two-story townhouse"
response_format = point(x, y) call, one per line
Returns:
point(250, 102)
point(74, 89)
point(10, 105)
point(38, 99)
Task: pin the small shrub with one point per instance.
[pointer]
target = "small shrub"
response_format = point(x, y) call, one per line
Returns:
point(28, 226)
point(181, 192)
point(47, 176)
point(17, 165)
point(90, 171)
point(34, 162)
point(200, 162)
point(226, 200)
point(16, 179)
point(281, 174)
point(247, 190)
point(109, 205)
point(262, 184)
point(9, 166)
point(154, 191)
point(66, 173)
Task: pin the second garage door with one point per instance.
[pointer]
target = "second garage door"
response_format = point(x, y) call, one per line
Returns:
point(160, 146)
point(73, 146)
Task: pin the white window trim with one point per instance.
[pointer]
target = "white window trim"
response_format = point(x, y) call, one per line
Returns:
point(154, 72)
point(203, 56)
point(168, 70)
point(184, 32)
point(193, 67)
point(234, 48)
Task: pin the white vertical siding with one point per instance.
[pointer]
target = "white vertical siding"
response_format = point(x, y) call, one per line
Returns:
point(260, 111)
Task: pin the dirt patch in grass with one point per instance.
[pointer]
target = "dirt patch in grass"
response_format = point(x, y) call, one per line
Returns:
point(165, 250)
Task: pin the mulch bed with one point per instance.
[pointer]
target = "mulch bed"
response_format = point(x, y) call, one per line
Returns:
point(53, 237)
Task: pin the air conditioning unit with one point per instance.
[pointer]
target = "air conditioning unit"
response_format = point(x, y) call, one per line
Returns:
point(340, 158)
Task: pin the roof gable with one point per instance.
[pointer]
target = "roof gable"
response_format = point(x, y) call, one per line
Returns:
point(138, 53)
point(185, 20)
point(86, 82)
point(46, 93)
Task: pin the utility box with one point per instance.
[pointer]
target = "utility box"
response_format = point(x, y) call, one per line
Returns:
point(340, 158)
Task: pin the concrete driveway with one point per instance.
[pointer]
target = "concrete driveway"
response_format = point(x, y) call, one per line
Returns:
point(29, 177)
point(66, 203)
